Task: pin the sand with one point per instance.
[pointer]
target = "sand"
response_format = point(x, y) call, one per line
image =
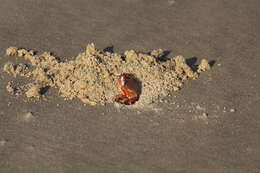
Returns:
point(66, 136)
point(92, 75)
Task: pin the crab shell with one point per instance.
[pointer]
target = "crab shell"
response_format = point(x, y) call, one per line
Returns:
point(129, 88)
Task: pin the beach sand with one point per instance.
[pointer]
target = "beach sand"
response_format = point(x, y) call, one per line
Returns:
point(210, 125)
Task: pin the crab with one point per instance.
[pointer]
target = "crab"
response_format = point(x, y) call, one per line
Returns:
point(128, 85)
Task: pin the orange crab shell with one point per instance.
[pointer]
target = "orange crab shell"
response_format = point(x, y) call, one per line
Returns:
point(129, 88)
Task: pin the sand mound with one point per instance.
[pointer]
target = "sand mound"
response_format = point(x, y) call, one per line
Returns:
point(92, 75)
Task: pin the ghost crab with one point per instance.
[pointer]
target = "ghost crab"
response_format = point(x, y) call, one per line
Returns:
point(130, 88)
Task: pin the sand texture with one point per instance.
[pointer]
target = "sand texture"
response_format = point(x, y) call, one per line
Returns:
point(92, 75)
point(209, 125)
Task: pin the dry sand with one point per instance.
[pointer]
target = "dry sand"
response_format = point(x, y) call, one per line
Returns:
point(92, 75)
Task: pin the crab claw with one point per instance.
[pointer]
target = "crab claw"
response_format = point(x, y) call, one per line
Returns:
point(121, 98)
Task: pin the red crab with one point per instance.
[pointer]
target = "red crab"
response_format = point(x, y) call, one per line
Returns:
point(128, 85)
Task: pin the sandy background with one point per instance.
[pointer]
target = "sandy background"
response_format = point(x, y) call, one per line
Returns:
point(65, 136)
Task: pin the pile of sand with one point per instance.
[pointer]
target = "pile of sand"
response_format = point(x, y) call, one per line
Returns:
point(92, 75)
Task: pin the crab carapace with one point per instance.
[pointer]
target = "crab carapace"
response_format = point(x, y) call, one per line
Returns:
point(130, 89)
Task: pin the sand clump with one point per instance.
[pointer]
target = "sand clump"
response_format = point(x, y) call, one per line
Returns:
point(14, 70)
point(33, 92)
point(204, 66)
point(28, 116)
point(10, 88)
point(11, 51)
point(91, 76)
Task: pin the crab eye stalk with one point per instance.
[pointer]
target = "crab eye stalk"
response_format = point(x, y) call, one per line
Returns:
point(122, 80)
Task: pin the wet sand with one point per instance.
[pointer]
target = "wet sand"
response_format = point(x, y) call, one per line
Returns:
point(211, 125)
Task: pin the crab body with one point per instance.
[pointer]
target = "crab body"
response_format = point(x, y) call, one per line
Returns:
point(129, 89)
